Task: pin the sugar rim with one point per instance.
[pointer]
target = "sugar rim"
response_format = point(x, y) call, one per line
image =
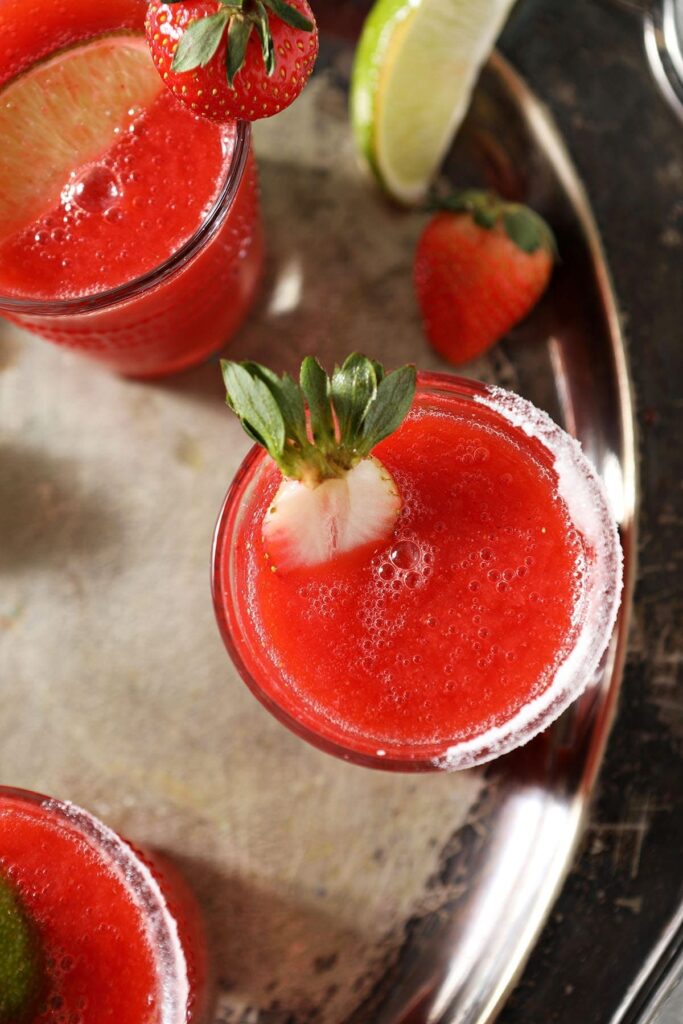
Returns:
point(126, 864)
point(584, 495)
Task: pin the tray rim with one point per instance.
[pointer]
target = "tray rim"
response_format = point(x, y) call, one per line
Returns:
point(457, 989)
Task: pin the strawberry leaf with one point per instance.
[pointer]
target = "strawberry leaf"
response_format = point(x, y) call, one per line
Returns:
point(257, 409)
point(522, 225)
point(289, 399)
point(199, 42)
point(238, 37)
point(483, 206)
point(353, 387)
point(201, 39)
point(379, 370)
point(484, 217)
point(391, 406)
point(267, 47)
point(289, 15)
point(314, 384)
point(283, 416)
point(527, 230)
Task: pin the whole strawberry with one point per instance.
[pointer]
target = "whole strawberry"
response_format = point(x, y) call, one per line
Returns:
point(481, 266)
point(229, 59)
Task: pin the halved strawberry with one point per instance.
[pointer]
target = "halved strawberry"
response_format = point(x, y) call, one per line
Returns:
point(308, 525)
point(230, 59)
point(335, 496)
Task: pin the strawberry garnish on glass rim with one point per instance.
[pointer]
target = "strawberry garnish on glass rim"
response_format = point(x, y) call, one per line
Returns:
point(230, 59)
point(335, 495)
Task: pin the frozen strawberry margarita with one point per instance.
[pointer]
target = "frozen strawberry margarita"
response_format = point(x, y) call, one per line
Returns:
point(128, 226)
point(91, 930)
point(429, 594)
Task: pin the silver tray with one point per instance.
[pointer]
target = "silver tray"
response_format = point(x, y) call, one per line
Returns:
point(332, 893)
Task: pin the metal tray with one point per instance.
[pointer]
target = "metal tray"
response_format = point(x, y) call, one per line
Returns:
point(332, 894)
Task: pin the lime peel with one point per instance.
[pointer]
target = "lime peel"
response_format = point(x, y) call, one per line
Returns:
point(20, 973)
point(415, 68)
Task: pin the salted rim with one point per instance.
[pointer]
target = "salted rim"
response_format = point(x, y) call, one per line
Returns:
point(132, 872)
point(584, 495)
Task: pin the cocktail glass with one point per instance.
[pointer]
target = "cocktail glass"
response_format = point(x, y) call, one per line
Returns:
point(177, 313)
point(168, 916)
point(587, 506)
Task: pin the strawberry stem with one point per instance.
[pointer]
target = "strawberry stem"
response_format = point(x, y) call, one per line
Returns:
point(323, 426)
point(522, 225)
point(201, 39)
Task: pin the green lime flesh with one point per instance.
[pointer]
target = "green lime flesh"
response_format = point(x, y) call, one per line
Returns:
point(415, 67)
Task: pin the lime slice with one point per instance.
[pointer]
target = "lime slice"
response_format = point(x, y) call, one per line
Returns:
point(414, 71)
point(19, 971)
point(63, 113)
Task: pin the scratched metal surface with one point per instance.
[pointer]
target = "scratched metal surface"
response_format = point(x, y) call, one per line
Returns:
point(587, 60)
point(313, 874)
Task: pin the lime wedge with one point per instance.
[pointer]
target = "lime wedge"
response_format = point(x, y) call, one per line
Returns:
point(414, 71)
point(19, 971)
point(63, 113)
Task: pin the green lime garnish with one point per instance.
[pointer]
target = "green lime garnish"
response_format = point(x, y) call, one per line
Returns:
point(414, 71)
point(20, 972)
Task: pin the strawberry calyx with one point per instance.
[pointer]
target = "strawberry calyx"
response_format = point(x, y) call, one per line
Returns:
point(322, 427)
point(239, 18)
point(335, 497)
point(522, 225)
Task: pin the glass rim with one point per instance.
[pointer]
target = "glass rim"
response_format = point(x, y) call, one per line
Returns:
point(96, 301)
point(173, 987)
point(588, 646)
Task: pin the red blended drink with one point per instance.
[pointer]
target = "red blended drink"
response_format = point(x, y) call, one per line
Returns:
point(90, 931)
point(129, 226)
point(431, 605)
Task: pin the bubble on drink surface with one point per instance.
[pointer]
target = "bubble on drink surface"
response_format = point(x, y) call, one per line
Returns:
point(405, 554)
point(321, 600)
point(97, 189)
point(406, 565)
point(469, 452)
